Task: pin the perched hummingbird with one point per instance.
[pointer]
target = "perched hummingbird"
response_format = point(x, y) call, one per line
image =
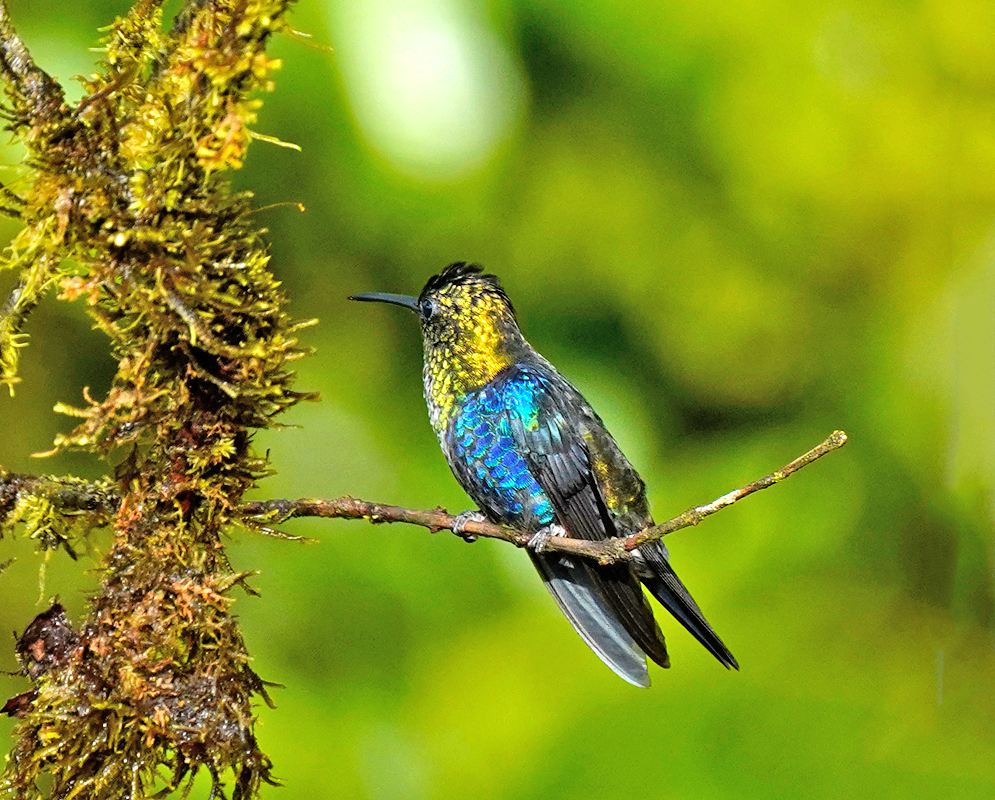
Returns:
point(532, 454)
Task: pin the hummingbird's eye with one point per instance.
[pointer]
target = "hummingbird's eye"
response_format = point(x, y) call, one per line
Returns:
point(426, 308)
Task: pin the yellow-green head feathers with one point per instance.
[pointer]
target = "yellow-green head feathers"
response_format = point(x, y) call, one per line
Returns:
point(470, 334)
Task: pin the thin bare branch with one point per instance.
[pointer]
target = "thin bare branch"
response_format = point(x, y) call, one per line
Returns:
point(606, 552)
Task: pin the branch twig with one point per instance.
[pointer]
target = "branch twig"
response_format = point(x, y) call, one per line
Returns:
point(606, 552)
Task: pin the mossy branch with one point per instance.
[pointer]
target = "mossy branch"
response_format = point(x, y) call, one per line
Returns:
point(127, 208)
point(55, 511)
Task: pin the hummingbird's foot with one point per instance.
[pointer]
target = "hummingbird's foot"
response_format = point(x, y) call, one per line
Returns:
point(459, 526)
point(541, 538)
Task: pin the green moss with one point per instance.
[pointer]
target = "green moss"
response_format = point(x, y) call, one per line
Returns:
point(129, 187)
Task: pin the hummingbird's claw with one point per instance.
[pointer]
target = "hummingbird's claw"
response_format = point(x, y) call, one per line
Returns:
point(459, 526)
point(541, 538)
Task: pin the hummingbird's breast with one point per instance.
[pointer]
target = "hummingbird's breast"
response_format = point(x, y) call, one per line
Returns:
point(488, 461)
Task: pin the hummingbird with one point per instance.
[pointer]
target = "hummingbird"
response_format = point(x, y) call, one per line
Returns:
point(533, 455)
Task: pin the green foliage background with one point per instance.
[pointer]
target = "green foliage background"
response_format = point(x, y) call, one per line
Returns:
point(736, 226)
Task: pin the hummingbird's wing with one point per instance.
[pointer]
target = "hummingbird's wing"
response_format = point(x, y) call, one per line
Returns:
point(623, 491)
point(605, 604)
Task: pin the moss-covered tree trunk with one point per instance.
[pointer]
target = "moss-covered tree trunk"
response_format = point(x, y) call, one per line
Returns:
point(127, 210)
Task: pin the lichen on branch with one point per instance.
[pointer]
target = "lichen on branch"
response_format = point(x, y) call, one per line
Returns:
point(127, 209)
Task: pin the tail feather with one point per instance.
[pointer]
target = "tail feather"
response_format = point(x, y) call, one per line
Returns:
point(580, 594)
point(665, 586)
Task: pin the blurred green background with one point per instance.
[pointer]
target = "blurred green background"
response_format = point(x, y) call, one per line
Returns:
point(736, 227)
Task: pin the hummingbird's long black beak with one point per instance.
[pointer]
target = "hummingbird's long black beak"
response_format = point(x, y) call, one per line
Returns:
point(411, 303)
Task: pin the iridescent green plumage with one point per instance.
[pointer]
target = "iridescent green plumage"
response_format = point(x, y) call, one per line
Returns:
point(533, 454)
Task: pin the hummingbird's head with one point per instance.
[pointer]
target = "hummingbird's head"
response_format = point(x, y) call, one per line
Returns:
point(464, 305)
point(468, 323)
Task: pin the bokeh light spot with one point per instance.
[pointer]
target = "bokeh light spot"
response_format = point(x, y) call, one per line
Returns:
point(434, 91)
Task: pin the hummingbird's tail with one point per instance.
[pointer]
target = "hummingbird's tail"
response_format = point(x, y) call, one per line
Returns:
point(660, 578)
point(609, 611)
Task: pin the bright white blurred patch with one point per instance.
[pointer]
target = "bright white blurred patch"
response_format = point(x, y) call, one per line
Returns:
point(434, 91)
